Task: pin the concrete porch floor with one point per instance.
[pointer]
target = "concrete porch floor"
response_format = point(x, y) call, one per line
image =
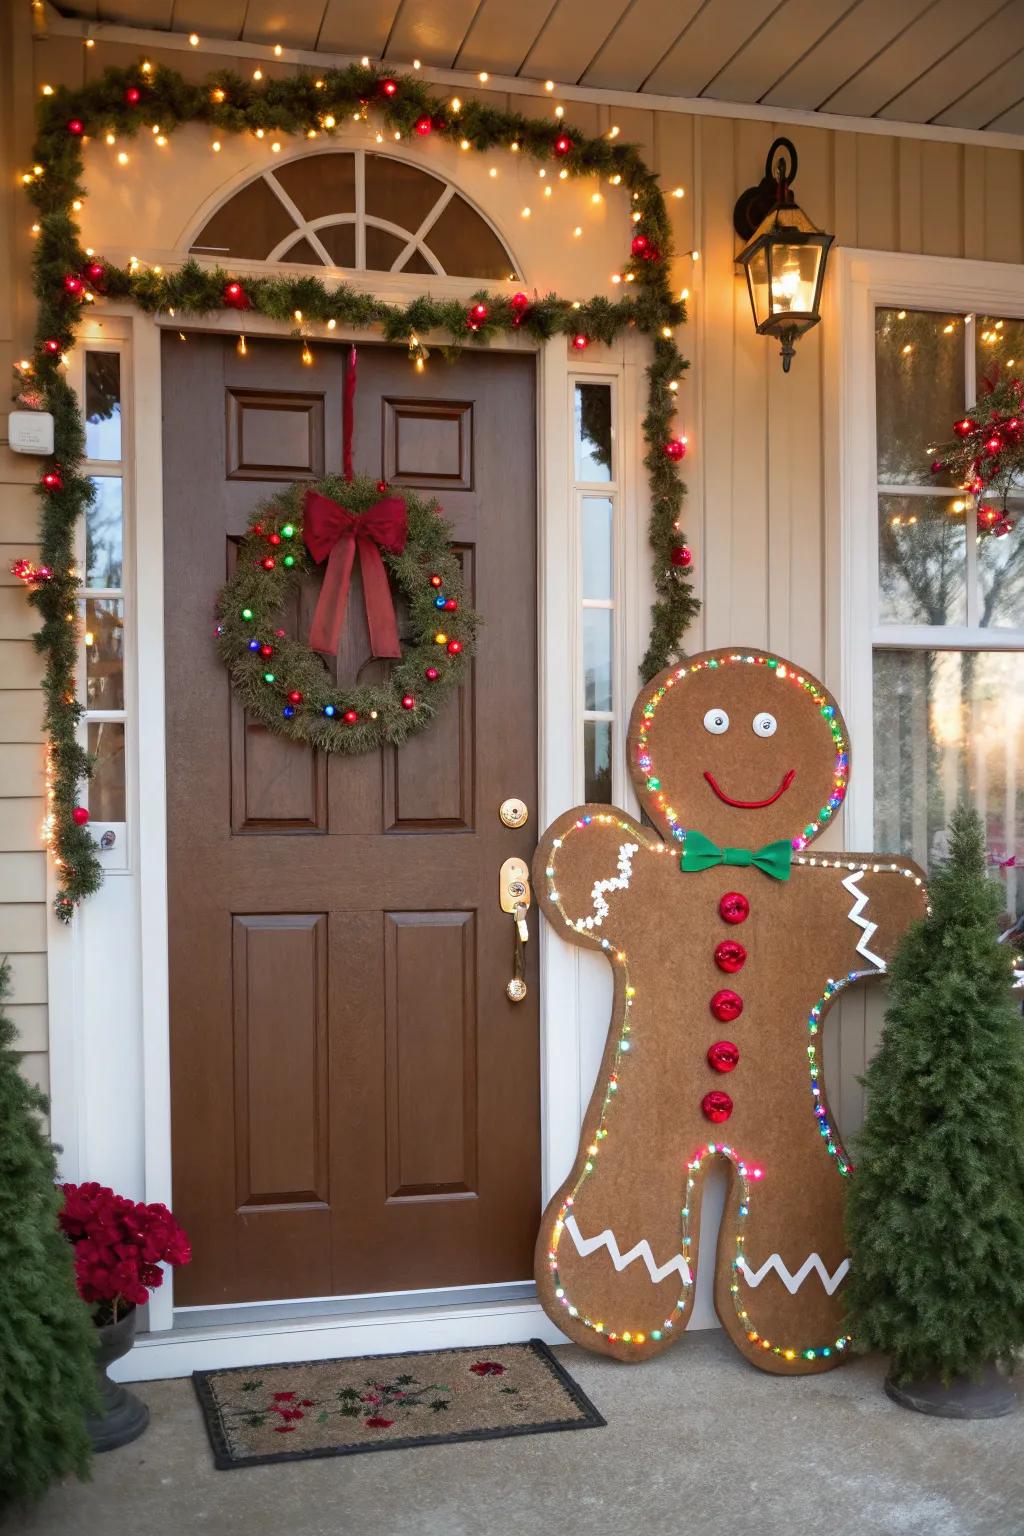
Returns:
point(697, 1443)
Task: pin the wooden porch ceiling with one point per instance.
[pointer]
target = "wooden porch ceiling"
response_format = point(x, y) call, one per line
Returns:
point(915, 61)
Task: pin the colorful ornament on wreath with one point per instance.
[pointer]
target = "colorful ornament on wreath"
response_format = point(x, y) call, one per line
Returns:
point(740, 760)
point(985, 456)
point(402, 546)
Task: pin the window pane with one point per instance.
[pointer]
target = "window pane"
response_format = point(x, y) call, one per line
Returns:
point(320, 184)
point(400, 193)
point(382, 249)
point(339, 240)
point(597, 658)
point(949, 727)
point(597, 546)
point(102, 405)
point(104, 653)
point(593, 432)
point(104, 534)
point(998, 353)
point(922, 556)
point(250, 224)
point(1001, 574)
point(597, 761)
point(465, 245)
point(106, 787)
point(919, 381)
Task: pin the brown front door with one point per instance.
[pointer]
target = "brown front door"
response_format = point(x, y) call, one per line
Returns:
point(355, 1102)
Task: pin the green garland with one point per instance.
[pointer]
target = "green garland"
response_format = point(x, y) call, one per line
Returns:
point(126, 101)
point(285, 685)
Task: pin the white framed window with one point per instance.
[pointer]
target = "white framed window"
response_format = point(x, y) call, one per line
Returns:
point(934, 601)
point(596, 495)
point(104, 671)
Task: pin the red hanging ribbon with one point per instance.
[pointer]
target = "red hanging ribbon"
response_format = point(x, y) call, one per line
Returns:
point(332, 533)
point(348, 410)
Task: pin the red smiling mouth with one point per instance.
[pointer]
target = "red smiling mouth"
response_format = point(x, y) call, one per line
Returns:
point(751, 805)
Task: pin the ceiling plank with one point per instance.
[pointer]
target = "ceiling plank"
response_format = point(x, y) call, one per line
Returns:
point(707, 44)
point(569, 39)
point(847, 47)
point(765, 57)
point(498, 43)
point(431, 30)
point(961, 70)
point(927, 41)
point(638, 42)
point(1011, 121)
point(137, 13)
point(296, 25)
point(357, 26)
point(225, 19)
point(990, 97)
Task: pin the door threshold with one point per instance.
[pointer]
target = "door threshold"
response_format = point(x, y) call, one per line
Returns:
point(292, 1308)
point(327, 1335)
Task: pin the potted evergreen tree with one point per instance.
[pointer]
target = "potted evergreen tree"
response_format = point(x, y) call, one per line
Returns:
point(47, 1379)
point(935, 1214)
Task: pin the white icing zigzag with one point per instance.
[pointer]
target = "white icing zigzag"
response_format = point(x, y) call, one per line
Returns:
point(794, 1282)
point(641, 1250)
point(860, 901)
point(619, 882)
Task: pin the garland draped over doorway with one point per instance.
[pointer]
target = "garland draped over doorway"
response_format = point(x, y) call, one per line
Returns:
point(67, 279)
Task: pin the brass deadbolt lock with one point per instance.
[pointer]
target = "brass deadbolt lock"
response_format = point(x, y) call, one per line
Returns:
point(513, 812)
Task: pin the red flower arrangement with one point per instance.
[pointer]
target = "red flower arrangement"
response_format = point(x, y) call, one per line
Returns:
point(119, 1247)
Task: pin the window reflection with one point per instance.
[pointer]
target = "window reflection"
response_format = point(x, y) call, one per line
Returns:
point(597, 658)
point(103, 406)
point(104, 535)
point(593, 433)
point(104, 653)
point(597, 761)
point(106, 787)
point(919, 382)
point(922, 553)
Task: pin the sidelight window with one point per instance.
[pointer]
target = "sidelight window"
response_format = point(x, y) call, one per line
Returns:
point(596, 497)
point(948, 630)
point(360, 211)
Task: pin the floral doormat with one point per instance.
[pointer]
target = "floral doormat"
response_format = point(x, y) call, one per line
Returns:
point(387, 1402)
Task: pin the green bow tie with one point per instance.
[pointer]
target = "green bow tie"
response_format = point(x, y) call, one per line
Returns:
point(699, 852)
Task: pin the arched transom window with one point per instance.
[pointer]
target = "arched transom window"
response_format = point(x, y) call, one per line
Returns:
point(357, 210)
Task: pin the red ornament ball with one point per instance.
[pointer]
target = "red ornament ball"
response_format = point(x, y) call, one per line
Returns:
point(733, 908)
point(963, 428)
point(279, 633)
point(389, 87)
point(266, 650)
point(716, 1106)
point(675, 449)
point(73, 284)
point(580, 342)
point(652, 253)
point(435, 581)
point(51, 345)
point(519, 302)
point(682, 555)
point(272, 538)
point(382, 486)
point(52, 480)
point(256, 528)
point(479, 312)
point(408, 702)
point(730, 956)
point(269, 562)
point(133, 95)
point(563, 144)
point(726, 1005)
point(95, 272)
point(639, 244)
point(423, 126)
point(76, 126)
point(80, 816)
point(350, 717)
point(723, 1055)
point(454, 647)
point(431, 674)
point(235, 296)
point(451, 606)
point(295, 697)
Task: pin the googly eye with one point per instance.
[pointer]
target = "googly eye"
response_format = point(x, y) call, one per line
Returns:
point(716, 721)
point(765, 724)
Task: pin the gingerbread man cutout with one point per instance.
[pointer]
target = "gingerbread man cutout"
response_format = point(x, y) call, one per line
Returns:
point(728, 943)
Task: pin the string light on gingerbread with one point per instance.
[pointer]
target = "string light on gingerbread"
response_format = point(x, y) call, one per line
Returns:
point(729, 942)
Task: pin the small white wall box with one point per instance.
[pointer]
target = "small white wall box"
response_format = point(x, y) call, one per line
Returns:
point(30, 431)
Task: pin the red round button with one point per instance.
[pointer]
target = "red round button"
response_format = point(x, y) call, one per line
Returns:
point(734, 908)
point(716, 1106)
point(730, 956)
point(726, 1005)
point(723, 1055)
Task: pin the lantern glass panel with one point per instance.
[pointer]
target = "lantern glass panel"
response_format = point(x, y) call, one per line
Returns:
point(759, 283)
point(794, 277)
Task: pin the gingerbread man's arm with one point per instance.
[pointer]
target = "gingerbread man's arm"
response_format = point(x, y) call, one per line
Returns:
point(583, 863)
point(865, 902)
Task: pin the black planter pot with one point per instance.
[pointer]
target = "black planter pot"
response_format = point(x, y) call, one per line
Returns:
point(989, 1397)
point(122, 1416)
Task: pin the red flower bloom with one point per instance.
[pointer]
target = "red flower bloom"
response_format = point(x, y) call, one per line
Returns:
point(376, 1423)
point(284, 1397)
point(119, 1245)
point(487, 1368)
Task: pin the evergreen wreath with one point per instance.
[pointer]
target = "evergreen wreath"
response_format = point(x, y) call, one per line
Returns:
point(284, 684)
point(312, 104)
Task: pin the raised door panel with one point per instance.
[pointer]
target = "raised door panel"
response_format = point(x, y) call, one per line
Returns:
point(429, 443)
point(274, 435)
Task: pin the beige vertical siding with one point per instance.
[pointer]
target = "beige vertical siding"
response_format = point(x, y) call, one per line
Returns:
point(756, 468)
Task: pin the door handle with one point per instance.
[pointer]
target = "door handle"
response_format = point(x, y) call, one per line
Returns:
point(514, 896)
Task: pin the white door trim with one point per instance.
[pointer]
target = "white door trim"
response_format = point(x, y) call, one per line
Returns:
point(91, 1146)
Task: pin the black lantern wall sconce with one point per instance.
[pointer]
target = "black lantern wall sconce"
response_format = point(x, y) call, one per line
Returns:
point(784, 259)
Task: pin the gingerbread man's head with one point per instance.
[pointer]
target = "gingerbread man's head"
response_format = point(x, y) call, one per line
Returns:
point(740, 745)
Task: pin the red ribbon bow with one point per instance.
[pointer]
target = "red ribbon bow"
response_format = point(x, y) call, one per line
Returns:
point(332, 533)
